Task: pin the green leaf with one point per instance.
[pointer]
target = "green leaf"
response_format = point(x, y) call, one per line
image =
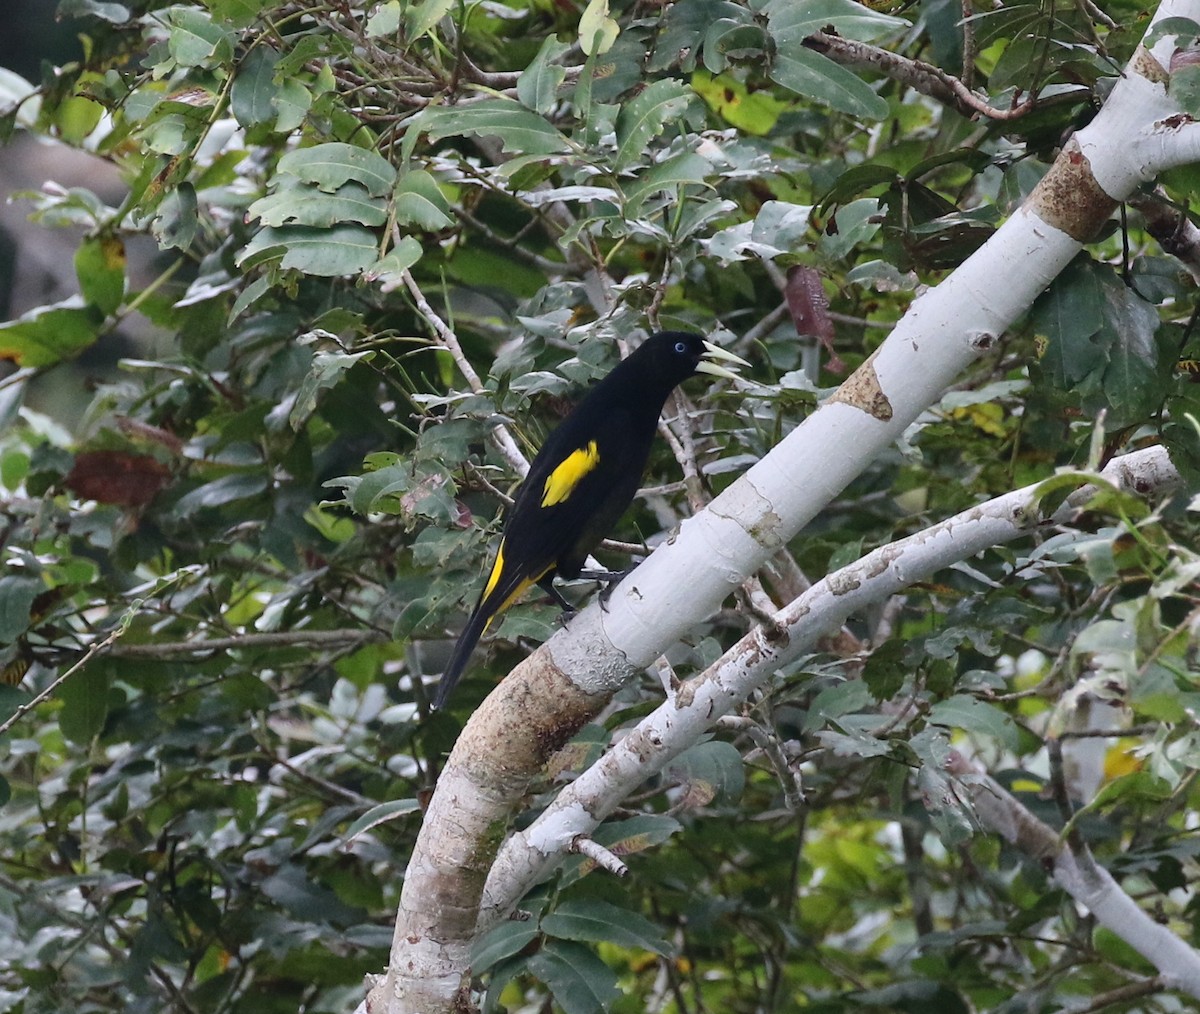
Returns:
point(791, 23)
point(597, 31)
point(579, 981)
point(1132, 382)
point(644, 118)
point(420, 18)
point(49, 334)
point(419, 202)
point(84, 704)
point(674, 172)
point(327, 370)
point(380, 814)
point(385, 20)
point(178, 217)
point(116, 14)
point(1070, 313)
point(712, 771)
point(342, 250)
point(301, 205)
point(292, 102)
point(970, 714)
point(1133, 787)
point(388, 271)
point(100, 268)
point(329, 166)
point(519, 129)
point(237, 13)
point(886, 670)
point(252, 96)
point(195, 40)
point(227, 489)
point(502, 942)
point(811, 74)
point(594, 921)
point(16, 599)
point(537, 87)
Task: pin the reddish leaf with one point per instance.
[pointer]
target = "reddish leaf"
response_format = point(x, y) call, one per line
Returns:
point(116, 477)
point(809, 308)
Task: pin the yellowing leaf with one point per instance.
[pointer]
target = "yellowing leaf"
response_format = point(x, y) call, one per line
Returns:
point(753, 112)
point(597, 31)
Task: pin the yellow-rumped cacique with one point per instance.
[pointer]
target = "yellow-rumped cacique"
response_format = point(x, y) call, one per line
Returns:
point(582, 479)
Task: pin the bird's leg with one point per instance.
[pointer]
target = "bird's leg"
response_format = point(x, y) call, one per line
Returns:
point(568, 610)
point(609, 578)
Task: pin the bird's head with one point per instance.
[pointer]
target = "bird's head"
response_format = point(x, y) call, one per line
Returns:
point(675, 355)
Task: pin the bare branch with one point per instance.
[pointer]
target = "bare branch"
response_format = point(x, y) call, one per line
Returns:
point(924, 78)
point(446, 337)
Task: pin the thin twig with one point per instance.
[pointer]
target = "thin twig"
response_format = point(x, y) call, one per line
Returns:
point(265, 639)
point(924, 77)
point(96, 648)
point(446, 337)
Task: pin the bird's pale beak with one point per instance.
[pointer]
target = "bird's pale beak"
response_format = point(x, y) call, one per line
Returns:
point(713, 356)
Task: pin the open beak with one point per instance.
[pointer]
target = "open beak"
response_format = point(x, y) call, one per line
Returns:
point(713, 356)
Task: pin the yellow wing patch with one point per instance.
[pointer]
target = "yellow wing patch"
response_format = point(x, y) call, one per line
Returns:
point(566, 476)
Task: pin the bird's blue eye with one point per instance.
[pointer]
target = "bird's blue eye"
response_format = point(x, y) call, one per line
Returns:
point(681, 347)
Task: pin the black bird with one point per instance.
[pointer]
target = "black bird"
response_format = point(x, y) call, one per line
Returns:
point(582, 479)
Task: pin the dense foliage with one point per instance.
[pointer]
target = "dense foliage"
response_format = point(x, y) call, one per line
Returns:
point(249, 549)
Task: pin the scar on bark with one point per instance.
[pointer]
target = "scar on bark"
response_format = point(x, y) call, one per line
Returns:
point(861, 389)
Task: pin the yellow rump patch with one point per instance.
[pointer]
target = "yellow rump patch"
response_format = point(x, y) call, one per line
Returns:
point(497, 570)
point(566, 476)
point(494, 579)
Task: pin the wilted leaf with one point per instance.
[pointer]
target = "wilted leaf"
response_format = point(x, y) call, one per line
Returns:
point(809, 307)
point(117, 477)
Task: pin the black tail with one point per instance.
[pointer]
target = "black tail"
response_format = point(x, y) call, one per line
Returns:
point(461, 655)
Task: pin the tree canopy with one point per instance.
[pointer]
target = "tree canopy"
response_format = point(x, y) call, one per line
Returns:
point(364, 256)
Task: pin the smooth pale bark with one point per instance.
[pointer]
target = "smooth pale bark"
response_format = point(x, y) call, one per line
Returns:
point(1137, 133)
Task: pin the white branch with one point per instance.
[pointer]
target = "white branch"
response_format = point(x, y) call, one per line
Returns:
point(1078, 873)
point(529, 855)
